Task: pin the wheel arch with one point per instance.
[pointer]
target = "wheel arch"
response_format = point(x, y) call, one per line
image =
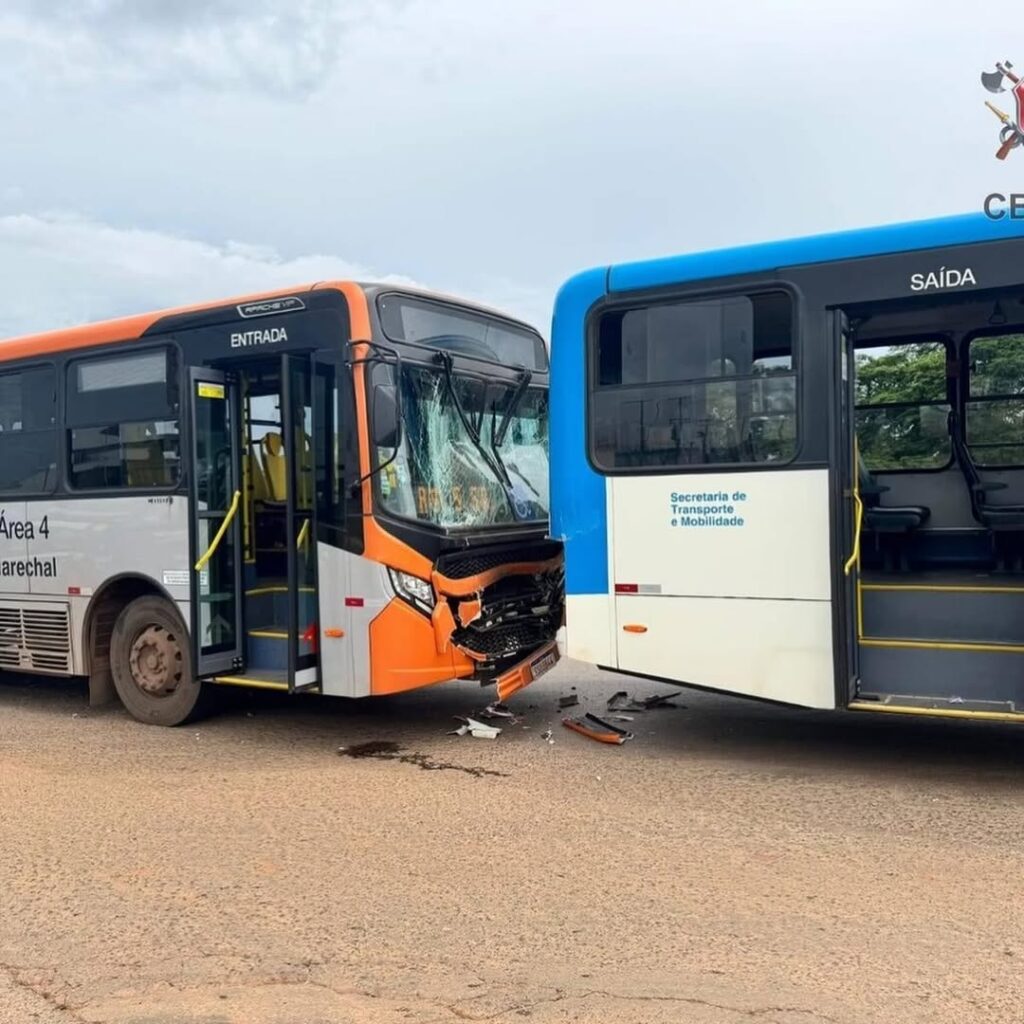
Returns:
point(104, 607)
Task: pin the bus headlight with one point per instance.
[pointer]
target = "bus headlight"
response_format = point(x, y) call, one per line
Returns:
point(413, 589)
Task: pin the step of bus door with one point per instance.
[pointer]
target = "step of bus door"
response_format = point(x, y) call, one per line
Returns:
point(986, 613)
point(266, 603)
point(267, 648)
point(948, 673)
point(257, 679)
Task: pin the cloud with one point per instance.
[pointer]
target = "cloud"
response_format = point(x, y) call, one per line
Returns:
point(260, 46)
point(59, 270)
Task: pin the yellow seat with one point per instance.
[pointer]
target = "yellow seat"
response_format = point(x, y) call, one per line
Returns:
point(259, 490)
point(275, 466)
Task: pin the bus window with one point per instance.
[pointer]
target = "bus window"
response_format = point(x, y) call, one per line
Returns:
point(28, 435)
point(704, 382)
point(122, 419)
point(901, 406)
point(995, 406)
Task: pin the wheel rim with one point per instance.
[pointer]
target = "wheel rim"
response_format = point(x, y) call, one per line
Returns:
point(156, 661)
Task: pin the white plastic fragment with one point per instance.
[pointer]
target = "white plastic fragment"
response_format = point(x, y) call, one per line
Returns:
point(478, 730)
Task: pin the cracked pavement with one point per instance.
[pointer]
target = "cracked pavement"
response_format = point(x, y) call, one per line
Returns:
point(733, 863)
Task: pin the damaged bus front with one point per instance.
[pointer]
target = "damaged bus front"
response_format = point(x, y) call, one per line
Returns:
point(455, 495)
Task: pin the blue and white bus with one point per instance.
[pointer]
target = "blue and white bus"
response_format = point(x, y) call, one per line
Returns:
point(795, 471)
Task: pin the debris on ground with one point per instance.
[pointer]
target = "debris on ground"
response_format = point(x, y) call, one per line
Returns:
point(478, 730)
point(597, 729)
point(567, 701)
point(621, 701)
point(621, 718)
point(548, 735)
point(497, 710)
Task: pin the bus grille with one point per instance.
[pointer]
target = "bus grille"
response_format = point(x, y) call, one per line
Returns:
point(518, 614)
point(460, 565)
point(35, 638)
point(514, 640)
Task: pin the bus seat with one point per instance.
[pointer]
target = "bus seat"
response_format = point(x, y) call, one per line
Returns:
point(143, 456)
point(994, 517)
point(275, 466)
point(257, 478)
point(886, 518)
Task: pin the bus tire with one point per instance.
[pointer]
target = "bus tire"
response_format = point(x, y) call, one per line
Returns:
point(151, 664)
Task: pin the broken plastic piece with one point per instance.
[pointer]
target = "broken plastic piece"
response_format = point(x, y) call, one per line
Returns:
point(621, 701)
point(567, 701)
point(659, 700)
point(597, 729)
point(496, 710)
point(478, 730)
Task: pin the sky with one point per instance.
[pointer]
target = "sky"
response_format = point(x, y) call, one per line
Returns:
point(158, 153)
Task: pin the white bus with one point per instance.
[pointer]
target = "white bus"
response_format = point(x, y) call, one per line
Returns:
point(341, 488)
point(795, 471)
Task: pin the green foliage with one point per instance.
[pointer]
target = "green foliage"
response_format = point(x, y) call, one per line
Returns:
point(995, 429)
point(901, 407)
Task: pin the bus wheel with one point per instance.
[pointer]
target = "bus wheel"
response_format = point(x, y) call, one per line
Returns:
point(149, 660)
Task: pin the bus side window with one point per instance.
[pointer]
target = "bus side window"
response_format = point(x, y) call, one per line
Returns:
point(708, 381)
point(28, 433)
point(122, 421)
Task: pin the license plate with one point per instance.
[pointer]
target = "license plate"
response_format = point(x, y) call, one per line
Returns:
point(543, 664)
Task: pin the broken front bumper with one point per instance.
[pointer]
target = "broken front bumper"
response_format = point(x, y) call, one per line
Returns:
point(501, 610)
point(528, 670)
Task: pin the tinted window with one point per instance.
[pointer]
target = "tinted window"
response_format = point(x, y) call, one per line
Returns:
point(459, 330)
point(995, 405)
point(122, 418)
point(706, 382)
point(28, 434)
point(902, 408)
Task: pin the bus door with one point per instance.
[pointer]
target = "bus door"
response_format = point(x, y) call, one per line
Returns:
point(215, 535)
point(300, 518)
point(850, 511)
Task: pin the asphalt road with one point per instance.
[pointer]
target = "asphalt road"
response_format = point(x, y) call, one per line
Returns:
point(732, 863)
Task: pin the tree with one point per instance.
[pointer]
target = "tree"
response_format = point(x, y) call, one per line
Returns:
point(902, 404)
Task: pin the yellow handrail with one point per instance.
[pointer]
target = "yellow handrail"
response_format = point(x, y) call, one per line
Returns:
point(303, 535)
point(854, 558)
point(219, 536)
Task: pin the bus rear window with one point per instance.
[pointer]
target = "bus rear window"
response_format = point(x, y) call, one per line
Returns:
point(461, 331)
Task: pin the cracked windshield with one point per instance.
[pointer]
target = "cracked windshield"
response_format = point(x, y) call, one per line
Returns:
point(463, 459)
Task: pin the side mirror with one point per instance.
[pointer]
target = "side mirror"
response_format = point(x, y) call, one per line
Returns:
point(387, 426)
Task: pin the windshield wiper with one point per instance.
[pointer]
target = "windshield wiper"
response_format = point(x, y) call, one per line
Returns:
point(522, 383)
point(496, 466)
point(498, 432)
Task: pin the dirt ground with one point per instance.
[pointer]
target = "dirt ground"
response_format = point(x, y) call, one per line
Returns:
point(734, 862)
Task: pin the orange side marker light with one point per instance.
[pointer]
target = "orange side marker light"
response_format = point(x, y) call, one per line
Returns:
point(634, 627)
point(334, 634)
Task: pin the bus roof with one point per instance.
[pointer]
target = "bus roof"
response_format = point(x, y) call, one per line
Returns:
point(131, 328)
point(126, 328)
point(764, 256)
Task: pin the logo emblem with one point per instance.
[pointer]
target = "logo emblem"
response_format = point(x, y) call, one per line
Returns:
point(271, 307)
point(1003, 78)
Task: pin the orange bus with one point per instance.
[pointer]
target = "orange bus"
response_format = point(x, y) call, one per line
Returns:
point(340, 488)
